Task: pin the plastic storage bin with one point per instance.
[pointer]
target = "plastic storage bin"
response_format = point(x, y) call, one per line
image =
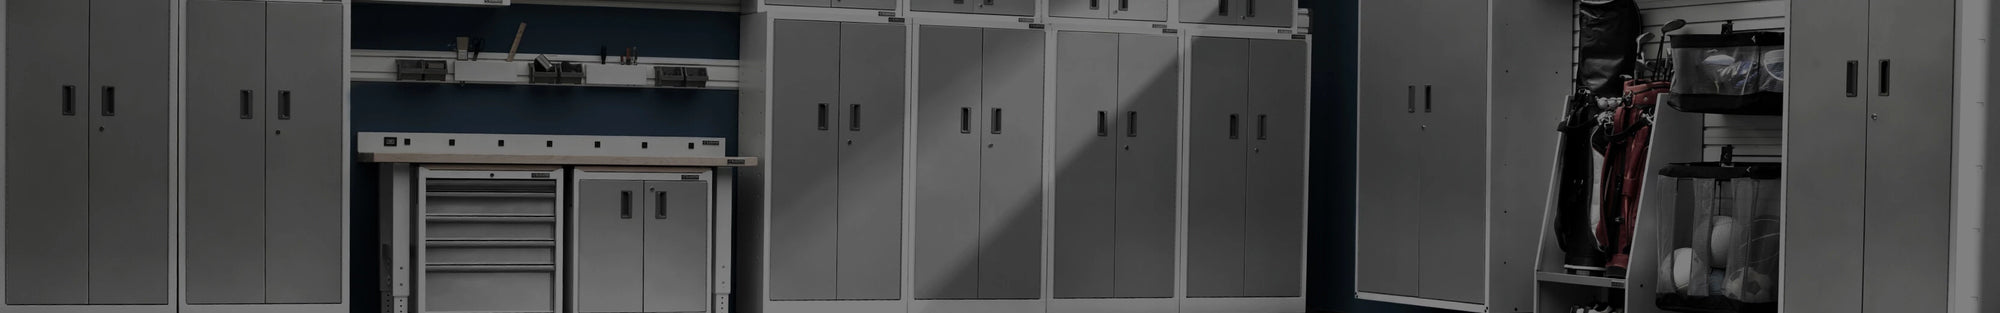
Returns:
point(1738, 73)
point(1719, 239)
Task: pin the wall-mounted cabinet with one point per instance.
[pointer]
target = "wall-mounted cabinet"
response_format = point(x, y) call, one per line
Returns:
point(90, 135)
point(1137, 10)
point(1117, 123)
point(266, 133)
point(995, 7)
point(1273, 13)
point(979, 163)
point(1246, 167)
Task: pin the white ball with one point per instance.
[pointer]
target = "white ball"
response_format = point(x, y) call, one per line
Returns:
point(1665, 275)
point(1686, 266)
point(1750, 286)
point(1721, 240)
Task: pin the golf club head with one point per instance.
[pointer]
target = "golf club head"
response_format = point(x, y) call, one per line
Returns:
point(1673, 26)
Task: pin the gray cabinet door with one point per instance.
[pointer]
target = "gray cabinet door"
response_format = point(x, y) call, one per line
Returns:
point(948, 156)
point(1138, 10)
point(1010, 197)
point(804, 180)
point(1216, 166)
point(871, 161)
point(611, 220)
point(1453, 239)
point(225, 154)
point(307, 120)
point(130, 168)
point(48, 134)
point(952, 6)
point(1909, 208)
point(809, 3)
point(1386, 166)
point(1211, 11)
point(1274, 196)
point(1079, 8)
point(677, 246)
point(1086, 164)
point(1148, 134)
point(1279, 13)
point(1825, 121)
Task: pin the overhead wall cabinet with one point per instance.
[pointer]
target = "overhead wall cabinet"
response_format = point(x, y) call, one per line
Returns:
point(995, 7)
point(1441, 218)
point(826, 112)
point(100, 177)
point(1246, 168)
point(1137, 10)
point(1117, 122)
point(978, 162)
point(265, 157)
point(1870, 209)
point(1271, 13)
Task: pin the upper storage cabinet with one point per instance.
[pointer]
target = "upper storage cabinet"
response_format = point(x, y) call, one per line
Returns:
point(1139, 10)
point(996, 7)
point(853, 4)
point(1273, 13)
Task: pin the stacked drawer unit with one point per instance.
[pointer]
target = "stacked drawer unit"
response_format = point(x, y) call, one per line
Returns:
point(490, 238)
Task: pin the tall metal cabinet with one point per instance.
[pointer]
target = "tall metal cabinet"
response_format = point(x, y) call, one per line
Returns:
point(90, 133)
point(1868, 227)
point(1117, 123)
point(824, 107)
point(1445, 135)
point(1246, 168)
point(265, 160)
point(979, 163)
point(642, 239)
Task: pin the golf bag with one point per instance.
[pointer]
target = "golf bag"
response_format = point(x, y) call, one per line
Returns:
point(1627, 139)
point(1576, 218)
point(1606, 45)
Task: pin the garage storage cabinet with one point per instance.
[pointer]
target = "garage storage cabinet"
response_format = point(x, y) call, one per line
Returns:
point(979, 163)
point(826, 112)
point(1872, 126)
point(484, 238)
point(115, 148)
point(1117, 125)
point(642, 240)
point(1445, 137)
point(265, 154)
point(1246, 168)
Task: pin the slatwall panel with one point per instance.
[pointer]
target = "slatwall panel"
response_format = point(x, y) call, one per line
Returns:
point(1754, 135)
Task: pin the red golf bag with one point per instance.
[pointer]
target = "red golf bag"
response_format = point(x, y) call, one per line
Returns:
point(1627, 139)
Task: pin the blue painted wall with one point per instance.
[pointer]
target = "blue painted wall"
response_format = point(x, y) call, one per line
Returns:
point(558, 110)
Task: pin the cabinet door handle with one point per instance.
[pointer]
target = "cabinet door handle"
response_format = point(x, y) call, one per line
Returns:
point(1263, 127)
point(989, 2)
point(1427, 98)
point(1853, 78)
point(284, 105)
point(1884, 73)
point(854, 118)
point(996, 121)
point(1233, 126)
point(244, 100)
point(625, 204)
point(69, 100)
point(660, 205)
point(964, 120)
point(1222, 8)
point(1249, 8)
point(822, 117)
point(1103, 130)
point(1410, 98)
point(1131, 123)
point(1124, 5)
point(110, 105)
point(1093, 5)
